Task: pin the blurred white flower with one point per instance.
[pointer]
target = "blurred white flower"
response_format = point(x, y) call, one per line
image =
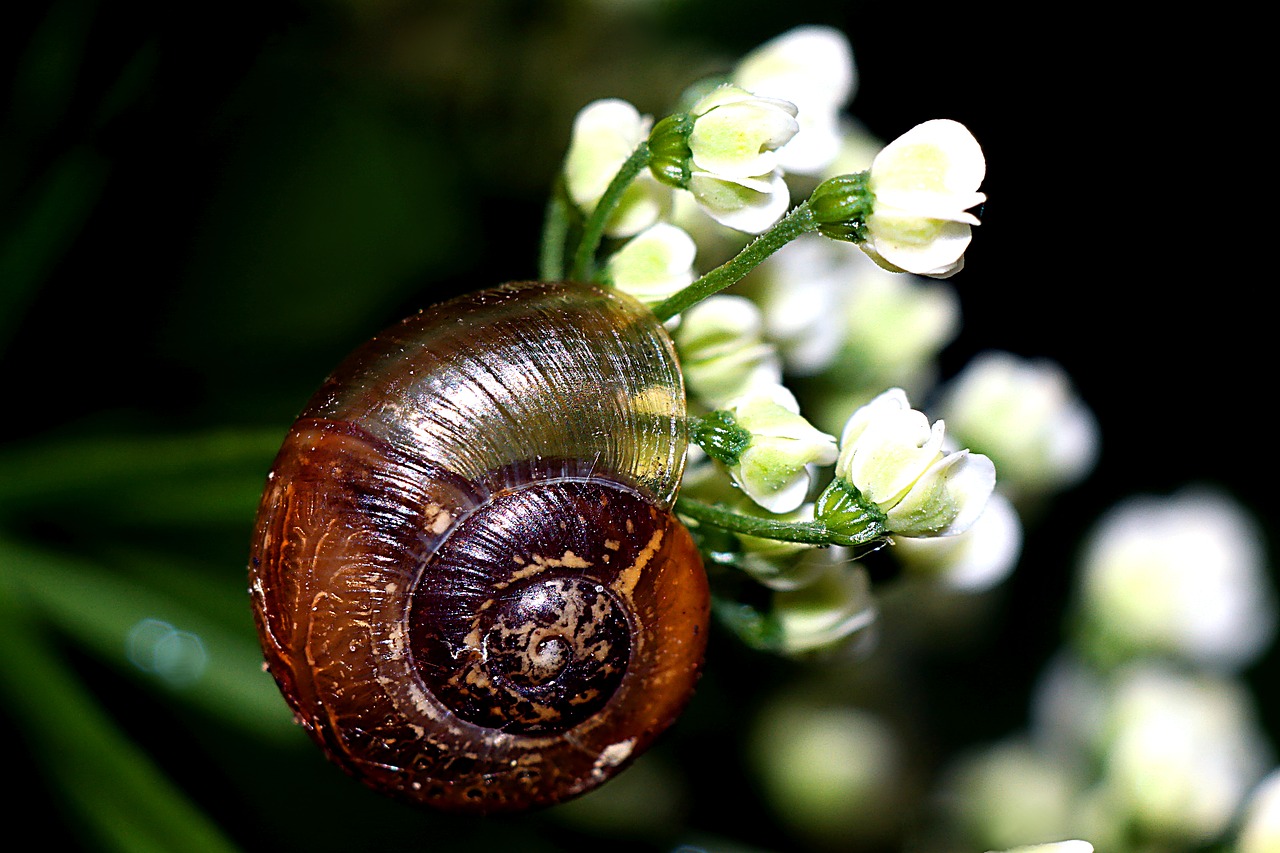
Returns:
point(1260, 828)
point(723, 353)
point(605, 133)
point(835, 604)
point(895, 326)
point(802, 292)
point(812, 67)
point(1009, 794)
point(1024, 414)
point(1183, 575)
point(1068, 707)
point(895, 460)
point(827, 307)
point(733, 147)
point(972, 561)
point(655, 264)
point(1181, 752)
point(833, 773)
point(924, 184)
point(773, 469)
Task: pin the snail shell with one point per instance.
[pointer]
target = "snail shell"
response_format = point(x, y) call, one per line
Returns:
point(466, 575)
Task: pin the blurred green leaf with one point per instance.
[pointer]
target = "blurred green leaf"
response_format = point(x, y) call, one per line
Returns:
point(104, 611)
point(62, 469)
point(44, 231)
point(126, 802)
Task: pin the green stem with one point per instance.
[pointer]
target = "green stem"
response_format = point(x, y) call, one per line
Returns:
point(593, 230)
point(804, 532)
point(555, 231)
point(798, 221)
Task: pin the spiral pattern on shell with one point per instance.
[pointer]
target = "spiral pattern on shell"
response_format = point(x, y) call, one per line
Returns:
point(466, 575)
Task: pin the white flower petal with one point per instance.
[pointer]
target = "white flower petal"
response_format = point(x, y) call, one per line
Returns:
point(894, 451)
point(750, 206)
point(938, 256)
point(940, 155)
point(605, 132)
point(891, 401)
point(904, 203)
point(947, 499)
point(740, 140)
point(655, 264)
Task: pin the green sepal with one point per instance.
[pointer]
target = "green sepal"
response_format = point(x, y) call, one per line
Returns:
point(841, 206)
point(850, 517)
point(669, 144)
point(720, 436)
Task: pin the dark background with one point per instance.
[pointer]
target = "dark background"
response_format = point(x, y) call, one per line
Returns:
point(204, 207)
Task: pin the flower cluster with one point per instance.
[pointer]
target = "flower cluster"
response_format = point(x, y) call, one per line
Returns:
point(802, 464)
point(740, 151)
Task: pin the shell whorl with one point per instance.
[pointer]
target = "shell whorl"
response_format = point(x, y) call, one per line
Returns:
point(466, 574)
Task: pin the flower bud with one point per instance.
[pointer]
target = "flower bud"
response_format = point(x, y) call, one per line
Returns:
point(772, 469)
point(732, 138)
point(722, 350)
point(924, 184)
point(892, 462)
point(1184, 575)
point(655, 264)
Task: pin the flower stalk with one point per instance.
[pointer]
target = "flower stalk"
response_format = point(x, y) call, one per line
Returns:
point(804, 532)
point(593, 229)
point(799, 221)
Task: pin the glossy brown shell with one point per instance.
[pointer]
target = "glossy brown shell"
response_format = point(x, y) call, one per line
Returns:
point(466, 575)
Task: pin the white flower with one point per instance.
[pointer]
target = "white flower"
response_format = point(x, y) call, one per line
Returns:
point(1025, 415)
point(895, 459)
point(829, 609)
point(772, 470)
point(812, 67)
point(737, 134)
point(895, 326)
point(733, 148)
point(924, 183)
point(777, 564)
point(722, 350)
point(1184, 575)
point(1181, 752)
point(829, 308)
point(605, 133)
point(802, 293)
point(655, 264)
